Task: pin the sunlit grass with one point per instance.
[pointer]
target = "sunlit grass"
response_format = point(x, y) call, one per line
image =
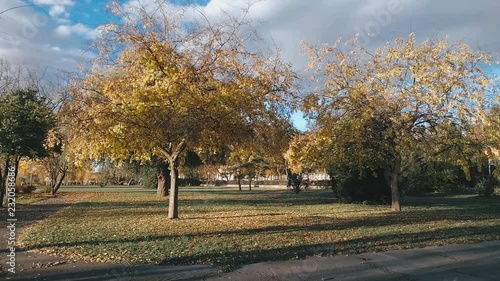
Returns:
point(226, 227)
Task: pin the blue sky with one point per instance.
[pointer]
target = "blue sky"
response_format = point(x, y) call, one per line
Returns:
point(53, 35)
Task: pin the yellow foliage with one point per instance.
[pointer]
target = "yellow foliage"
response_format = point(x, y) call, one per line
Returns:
point(160, 93)
point(404, 97)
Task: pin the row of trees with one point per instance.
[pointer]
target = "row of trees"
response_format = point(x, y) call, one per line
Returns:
point(163, 89)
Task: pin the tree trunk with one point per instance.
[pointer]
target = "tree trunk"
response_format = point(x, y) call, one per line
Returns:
point(163, 186)
point(392, 177)
point(250, 184)
point(16, 166)
point(59, 181)
point(2, 189)
point(53, 176)
point(172, 155)
point(3, 180)
point(239, 183)
point(173, 208)
point(163, 181)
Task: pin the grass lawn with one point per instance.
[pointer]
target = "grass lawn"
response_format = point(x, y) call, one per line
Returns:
point(226, 227)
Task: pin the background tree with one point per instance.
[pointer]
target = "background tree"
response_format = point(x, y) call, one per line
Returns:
point(55, 162)
point(302, 156)
point(213, 154)
point(272, 134)
point(273, 139)
point(25, 121)
point(171, 83)
point(240, 165)
point(492, 133)
point(191, 168)
point(375, 109)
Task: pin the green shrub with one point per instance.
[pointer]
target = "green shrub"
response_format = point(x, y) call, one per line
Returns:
point(486, 186)
point(296, 182)
point(189, 182)
point(354, 186)
point(148, 176)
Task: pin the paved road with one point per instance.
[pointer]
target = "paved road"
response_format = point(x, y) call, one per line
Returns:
point(474, 262)
point(471, 262)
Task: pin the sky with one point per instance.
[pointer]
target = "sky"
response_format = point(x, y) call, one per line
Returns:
point(53, 35)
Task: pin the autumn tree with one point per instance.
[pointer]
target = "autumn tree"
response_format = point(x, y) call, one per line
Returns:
point(265, 150)
point(373, 109)
point(491, 131)
point(56, 161)
point(160, 83)
point(213, 153)
point(273, 141)
point(245, 162)
point(303, 153)
point(492, 128)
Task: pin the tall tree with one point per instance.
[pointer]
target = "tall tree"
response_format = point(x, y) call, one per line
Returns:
point(375, 108)
point(25, 120)
point(172, 83)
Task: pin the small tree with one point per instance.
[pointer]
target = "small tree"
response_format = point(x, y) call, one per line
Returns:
point(239, 159)
point(55, 162)
point(296, 181)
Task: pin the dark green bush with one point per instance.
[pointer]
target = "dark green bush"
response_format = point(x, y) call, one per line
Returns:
point(486, 186)
point(148, 177)
point(189, 182)
point(355, 186)
point(296, 182)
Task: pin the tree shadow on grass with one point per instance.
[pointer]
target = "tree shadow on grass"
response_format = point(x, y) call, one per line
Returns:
point(231, 260)
point(457, 202)
point(313, 224)
point(235, 216)
point(420, 211)
point(268, 201)
point(29, 214)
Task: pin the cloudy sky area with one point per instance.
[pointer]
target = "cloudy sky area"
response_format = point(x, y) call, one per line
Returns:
point(53, 34)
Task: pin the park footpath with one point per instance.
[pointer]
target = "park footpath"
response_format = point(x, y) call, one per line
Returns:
point(472, 262)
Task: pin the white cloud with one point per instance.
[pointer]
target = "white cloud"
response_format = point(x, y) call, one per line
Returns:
point(27, 37)
point(286, 22)
point(289, 22)
point(54, 2)
point(57, 7)
point(77, 29)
